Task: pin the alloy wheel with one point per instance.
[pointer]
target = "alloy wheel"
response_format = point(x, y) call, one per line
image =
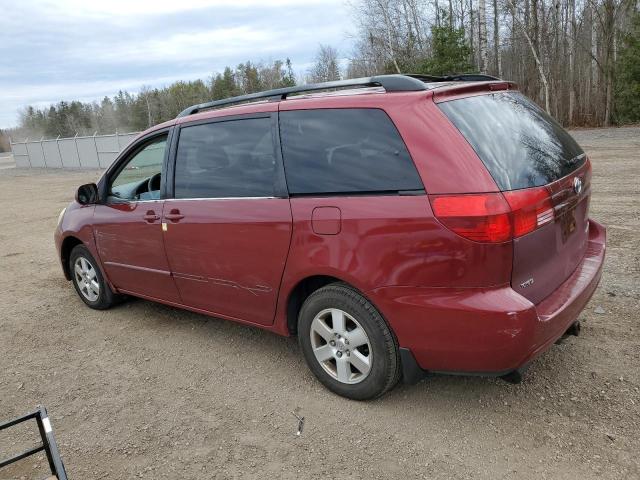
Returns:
point(341, 346)
point(87, 279)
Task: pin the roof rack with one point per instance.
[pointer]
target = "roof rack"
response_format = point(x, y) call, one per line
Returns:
point(391, 83)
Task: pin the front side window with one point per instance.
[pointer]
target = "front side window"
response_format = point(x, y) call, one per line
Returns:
point(342, 151)
point(139, 179)
point(233, 158)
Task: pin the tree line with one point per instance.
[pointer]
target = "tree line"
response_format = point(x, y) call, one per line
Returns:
point(578, 59)
point(127, 112)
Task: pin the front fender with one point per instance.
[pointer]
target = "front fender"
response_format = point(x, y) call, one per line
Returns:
point(77, 223)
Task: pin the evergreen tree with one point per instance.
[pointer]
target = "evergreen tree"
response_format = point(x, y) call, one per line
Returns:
point(127, 112)
point(224, 86)
point(451, 52)
point(627, 88)
point(248, 78)
point(289, 78)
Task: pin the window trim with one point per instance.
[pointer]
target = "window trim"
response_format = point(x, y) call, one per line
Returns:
point(126, 155)
point(416, 192)
point(279, 188)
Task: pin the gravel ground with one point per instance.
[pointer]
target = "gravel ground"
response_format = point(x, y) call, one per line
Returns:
point(149, 391)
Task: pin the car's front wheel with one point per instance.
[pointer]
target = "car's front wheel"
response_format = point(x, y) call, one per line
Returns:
point(347, 344)
point(88, 279)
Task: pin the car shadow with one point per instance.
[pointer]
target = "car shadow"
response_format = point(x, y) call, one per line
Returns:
point(272, 351)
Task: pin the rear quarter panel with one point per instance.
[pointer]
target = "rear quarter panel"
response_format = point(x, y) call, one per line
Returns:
point(387, 241)
point(445, 160)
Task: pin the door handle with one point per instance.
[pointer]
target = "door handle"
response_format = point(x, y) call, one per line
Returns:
point(151, 216)
point(174, 215)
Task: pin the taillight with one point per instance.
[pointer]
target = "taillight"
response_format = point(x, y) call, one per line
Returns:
point(494, 217)
point(479, 217)
point(531, 208)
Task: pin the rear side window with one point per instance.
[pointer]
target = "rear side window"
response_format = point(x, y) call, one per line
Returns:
point(344, 151)
point(226, 159)
point(518, 142)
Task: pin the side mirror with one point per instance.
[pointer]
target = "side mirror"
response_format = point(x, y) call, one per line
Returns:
point(87, 194)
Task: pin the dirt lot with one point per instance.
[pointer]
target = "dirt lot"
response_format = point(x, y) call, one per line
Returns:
point(149, 391)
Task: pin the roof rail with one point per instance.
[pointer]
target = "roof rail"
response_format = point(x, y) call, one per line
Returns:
point(391, 83)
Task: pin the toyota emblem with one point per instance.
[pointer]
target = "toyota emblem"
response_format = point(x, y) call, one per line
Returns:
point(577, 185)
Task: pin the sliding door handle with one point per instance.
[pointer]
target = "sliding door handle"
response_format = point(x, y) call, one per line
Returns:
point(174, 215)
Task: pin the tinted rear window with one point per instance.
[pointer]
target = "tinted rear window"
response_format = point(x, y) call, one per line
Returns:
point(226, 159)
point(518, 142)
point(345, 151)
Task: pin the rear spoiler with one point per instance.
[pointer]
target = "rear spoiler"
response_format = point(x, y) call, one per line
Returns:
point(457, 90)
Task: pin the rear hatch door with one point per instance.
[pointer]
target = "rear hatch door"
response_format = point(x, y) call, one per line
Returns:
point(524, 148)
point(546, 257)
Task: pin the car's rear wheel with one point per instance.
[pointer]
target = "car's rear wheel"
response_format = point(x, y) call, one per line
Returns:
point(347, 344)
point(88, 279)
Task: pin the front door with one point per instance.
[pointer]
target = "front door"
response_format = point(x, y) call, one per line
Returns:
point(128, 228)
point(228, 226)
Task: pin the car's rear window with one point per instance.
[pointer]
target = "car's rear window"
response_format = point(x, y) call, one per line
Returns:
point(518, 142)
point(345, 151)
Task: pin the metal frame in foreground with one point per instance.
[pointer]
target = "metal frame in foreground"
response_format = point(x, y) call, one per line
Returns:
point(48, 443)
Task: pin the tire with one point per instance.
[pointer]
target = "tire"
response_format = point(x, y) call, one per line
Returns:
point(331, 324)
point(89, 281)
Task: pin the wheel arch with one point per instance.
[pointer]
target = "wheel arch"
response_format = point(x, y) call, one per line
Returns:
point(301, 291)
point(68, 244)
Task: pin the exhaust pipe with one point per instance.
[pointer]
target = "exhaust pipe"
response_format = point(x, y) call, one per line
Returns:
point(574, 329)
point(514, 377)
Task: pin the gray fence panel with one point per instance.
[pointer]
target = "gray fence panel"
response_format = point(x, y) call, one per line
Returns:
point(77, 152)
point(69, 153)
point(52, 154)
point(87, 152)
point(36, 154)
point(125, 139)
point(108, 149)
point(20, 155)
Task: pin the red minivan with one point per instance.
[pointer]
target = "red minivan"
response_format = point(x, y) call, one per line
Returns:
point(396, 224)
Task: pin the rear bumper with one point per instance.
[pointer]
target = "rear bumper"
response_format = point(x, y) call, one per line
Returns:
point(487, 331)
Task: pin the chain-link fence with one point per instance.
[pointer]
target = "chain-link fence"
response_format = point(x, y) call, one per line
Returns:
point(97, 151)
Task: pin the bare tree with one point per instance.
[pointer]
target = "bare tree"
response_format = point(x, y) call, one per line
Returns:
point(326, 67)
point(532, 41)
point(562, 53)
point(392, 34)
point(496, 39)
point(482, 35)
point(572, 58)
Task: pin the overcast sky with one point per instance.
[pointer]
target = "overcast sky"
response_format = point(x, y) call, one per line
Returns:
point(54, 50)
